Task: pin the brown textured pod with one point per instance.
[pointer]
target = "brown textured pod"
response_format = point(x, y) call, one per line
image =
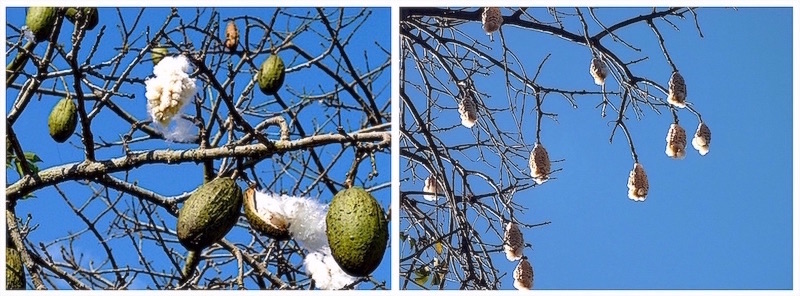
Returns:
point(231, 36)
point(513, 242)
point(523, 275)
point(270, 224)
point(431, 189)
point(468, 111)
point(598, 71)
point(676, 142)
point(492, 19)
point(540, 164)
point(702, 138)
point(637, 183)
point(677, 90)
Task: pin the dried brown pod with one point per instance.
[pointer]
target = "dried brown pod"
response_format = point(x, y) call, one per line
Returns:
point(492, 19)
point(261, 219)
point(540, 164)
point(702, 138)
point(231, 36)
point(598, 71)
point(431, 189)
point(677, 90)
point(637, 183)
point(468, 111)
point(523, 275)
point(513, 242)
point(676, 142)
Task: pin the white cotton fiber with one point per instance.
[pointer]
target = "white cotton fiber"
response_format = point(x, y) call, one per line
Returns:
point(306, 219)
point(170, 89)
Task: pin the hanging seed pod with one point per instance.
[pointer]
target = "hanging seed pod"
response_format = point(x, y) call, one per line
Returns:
point(540, 164)
point(63, 120)
point(41, 21)
point(467, 107)
point(231, 36)
point(468, 111)
point(209, 213)
point(83, 15)
point(677, 90)
point(158, 53)
point(491, 19)
point(431, 189)
point(513, 242)
point(676, 142)
point(637, 183)
point(702, 139)
point(357, 231)
point(523, 275)
point(271, 75)
point(598, 71)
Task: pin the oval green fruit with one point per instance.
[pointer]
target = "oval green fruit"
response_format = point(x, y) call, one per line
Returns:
point(89, 16)
point(357, 231)
point(271, 75)
point(209, 213)
point(15, 272)
point(63, 120)
point(41, 20)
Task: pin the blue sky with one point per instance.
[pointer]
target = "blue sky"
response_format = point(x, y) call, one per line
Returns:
point(722, 221)
point(369, 48)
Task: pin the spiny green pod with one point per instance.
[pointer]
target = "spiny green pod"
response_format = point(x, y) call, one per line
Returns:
point(63, 120)
point(209, 213)
point(89, 15)
point(357, 231)
point(271, 75)
point(41, 21)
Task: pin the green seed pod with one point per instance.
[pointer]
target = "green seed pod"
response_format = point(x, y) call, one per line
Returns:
point(209, 214)
point(158, 53)
point(89, 15)
point(41, 21)
point(271, 75)
point(357, 231)
point(63, 120)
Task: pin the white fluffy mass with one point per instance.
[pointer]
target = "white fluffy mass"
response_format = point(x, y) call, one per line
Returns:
point(306, 219)
point(170, 89)
point(325, 271)
point(179, 131)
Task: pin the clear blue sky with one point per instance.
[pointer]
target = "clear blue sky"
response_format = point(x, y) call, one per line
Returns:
point(723, 221)
point(52, 214)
